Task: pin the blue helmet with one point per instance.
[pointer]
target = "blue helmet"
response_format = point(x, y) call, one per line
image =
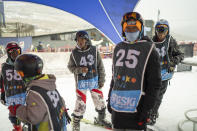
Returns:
point(82, 34)
point(163, 22)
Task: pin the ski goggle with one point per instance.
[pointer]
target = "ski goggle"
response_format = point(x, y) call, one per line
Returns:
point(14, 50)
point(132, 22)
point(83, 36)
point(161, 28)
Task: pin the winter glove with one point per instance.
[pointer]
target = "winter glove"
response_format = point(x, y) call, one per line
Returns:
point(84, 69)
point(67, 116)
point(13, 109)
point(171, 69)
point(100, 85)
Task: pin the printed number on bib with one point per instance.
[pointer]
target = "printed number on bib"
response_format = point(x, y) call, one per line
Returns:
point(131, 59)
point(87, 61)
point(10, 74)
point(161, 51)
point(53, 95)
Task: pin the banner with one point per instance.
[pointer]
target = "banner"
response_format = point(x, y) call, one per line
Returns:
point(105, 15)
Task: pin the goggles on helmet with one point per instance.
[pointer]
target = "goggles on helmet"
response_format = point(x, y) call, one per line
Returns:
point(132, 22)
point(14, 50)
point(161, 28)
point(83, 36)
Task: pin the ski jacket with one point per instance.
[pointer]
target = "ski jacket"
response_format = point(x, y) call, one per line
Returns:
point(151, 84)
point(96, 68)
point(44, 108)
point(13, 90)
point(170, 55)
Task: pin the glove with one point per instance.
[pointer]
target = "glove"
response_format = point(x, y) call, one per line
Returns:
point(13, 109)
point(100, 85)
point(171, 69)
point(67, 116)
point(84, 69)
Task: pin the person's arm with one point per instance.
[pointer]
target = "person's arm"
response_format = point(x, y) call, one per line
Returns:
point(34, 111)
point(2, 90)
point(101, 70)
point(175, 55)
point(68, 118)
point(73, 67)
point(152, 84)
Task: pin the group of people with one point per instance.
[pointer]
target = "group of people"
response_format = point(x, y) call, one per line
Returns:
point(141, 69)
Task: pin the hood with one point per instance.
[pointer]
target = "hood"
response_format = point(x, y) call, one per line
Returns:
point(47, 82)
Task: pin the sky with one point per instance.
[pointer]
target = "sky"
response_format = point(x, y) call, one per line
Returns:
point(181, 15)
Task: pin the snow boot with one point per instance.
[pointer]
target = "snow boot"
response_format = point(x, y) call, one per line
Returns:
point(76, 124)
point(153, 117)
point(101, 121)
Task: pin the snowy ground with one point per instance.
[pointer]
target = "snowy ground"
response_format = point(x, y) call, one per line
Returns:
point(180, 96)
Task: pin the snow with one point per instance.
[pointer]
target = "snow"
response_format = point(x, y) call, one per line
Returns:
point(180, 96)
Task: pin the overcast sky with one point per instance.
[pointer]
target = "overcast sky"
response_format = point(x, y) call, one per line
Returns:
point(181, 14)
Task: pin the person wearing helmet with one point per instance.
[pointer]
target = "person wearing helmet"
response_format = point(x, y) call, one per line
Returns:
point(86, 64)
point(13, 90)
point(136, 77)
point(45, 109)
point(170, 56)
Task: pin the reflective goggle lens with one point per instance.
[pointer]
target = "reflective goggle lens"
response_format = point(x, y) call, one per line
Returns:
point(132, 23)
point(14, 50)
point(162, 28)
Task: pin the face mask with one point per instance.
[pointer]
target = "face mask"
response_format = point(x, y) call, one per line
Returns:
point(132, 36)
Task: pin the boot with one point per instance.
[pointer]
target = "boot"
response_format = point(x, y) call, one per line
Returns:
point(76, 124)
point(101, 121)
point(17, 128)
point(153, 117)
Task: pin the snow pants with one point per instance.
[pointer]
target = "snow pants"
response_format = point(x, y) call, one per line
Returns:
point(160, 95)
point(80, 105)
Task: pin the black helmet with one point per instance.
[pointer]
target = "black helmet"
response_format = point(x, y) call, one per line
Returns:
point(31, 65)
point(82, 34)
point(135, 16)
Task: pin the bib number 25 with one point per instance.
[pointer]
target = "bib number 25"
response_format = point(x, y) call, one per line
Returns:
point(130, 61)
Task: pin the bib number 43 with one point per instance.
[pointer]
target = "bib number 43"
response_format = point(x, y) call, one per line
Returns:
point(87, 61)
point(130, 61)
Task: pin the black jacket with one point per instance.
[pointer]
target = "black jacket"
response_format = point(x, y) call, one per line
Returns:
point(151, 86)
point(174, 53)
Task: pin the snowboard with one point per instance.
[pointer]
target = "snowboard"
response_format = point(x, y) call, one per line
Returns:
point(86, 121)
